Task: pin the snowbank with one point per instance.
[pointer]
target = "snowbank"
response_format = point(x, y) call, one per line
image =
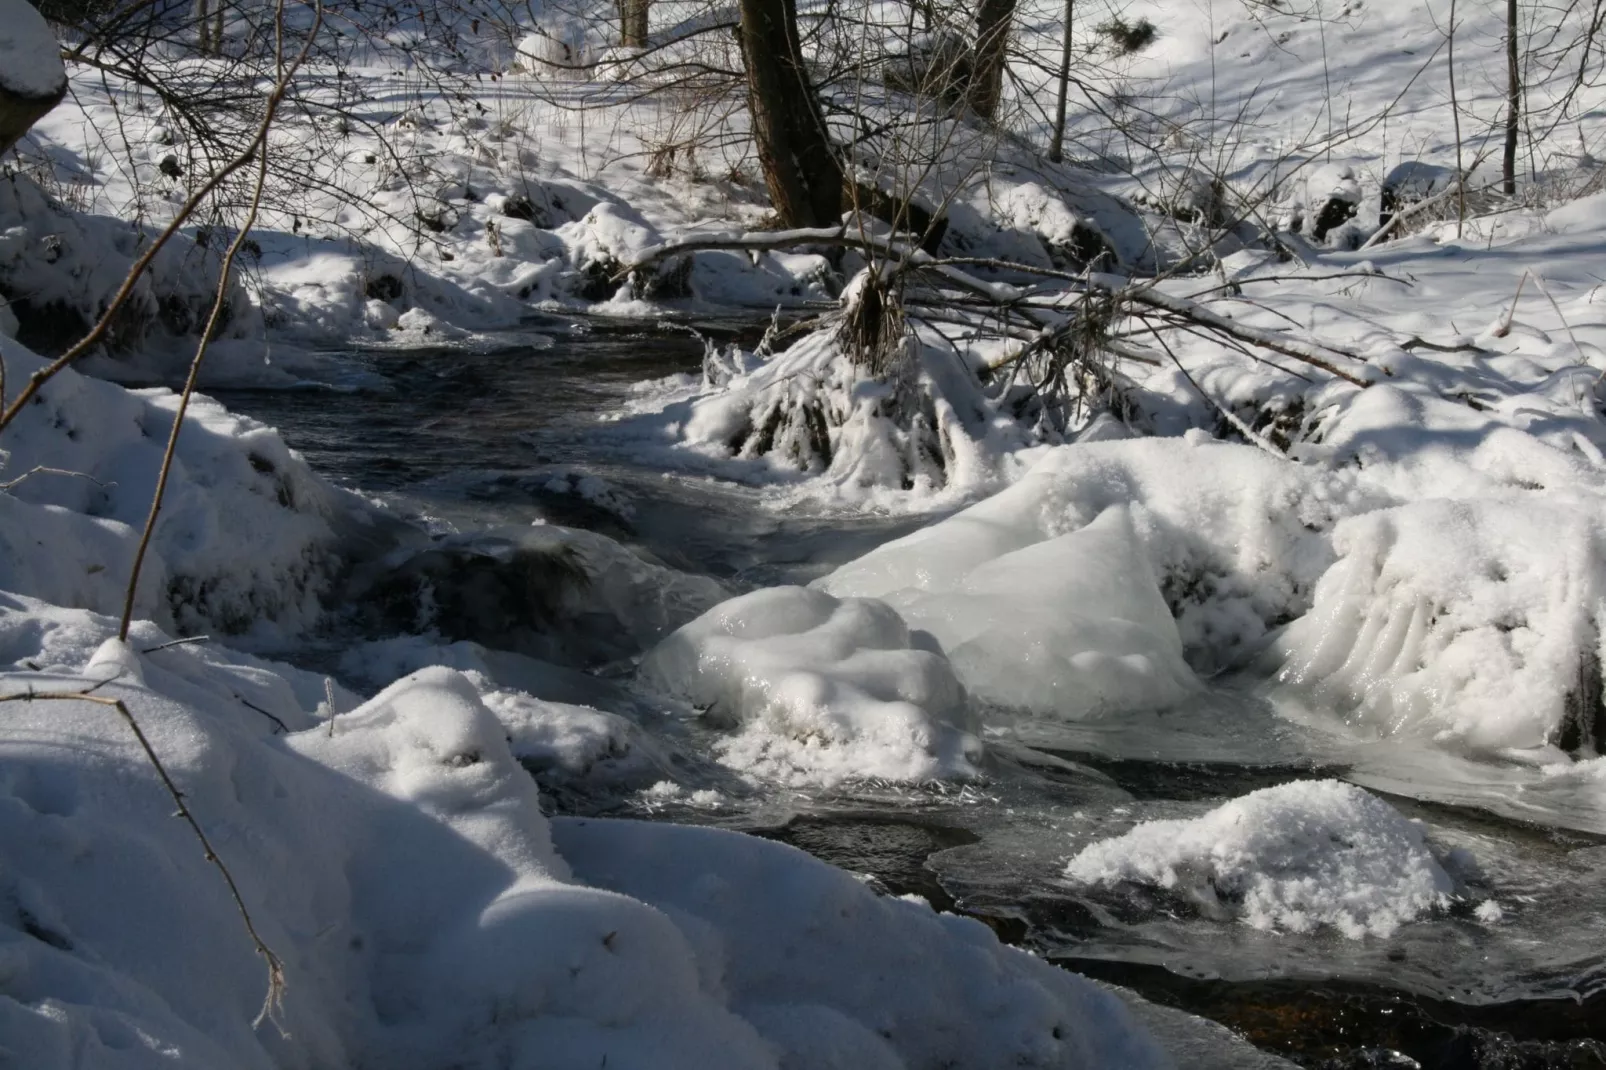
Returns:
point(397, 861)
point(247, 537)
point(819, 689)
point(1295, 857)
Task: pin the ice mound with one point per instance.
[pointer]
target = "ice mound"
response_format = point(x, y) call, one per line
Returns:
point(1470, 623)
point(1073, 625)
point(819, 688)
point(1082, 566)
point(1297, 857)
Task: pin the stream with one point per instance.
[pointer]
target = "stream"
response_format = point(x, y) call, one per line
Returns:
point(465, 439)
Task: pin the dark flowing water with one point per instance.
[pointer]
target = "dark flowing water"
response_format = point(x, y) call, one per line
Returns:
point(463, 439)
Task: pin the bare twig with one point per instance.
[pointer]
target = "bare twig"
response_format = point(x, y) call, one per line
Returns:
point(258, 149)
point(176, 642)
point(276, 980)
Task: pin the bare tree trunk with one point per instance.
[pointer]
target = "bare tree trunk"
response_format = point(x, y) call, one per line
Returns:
point(633, 23)
point(800, 168)
point(992, 36)
point(1056, 147)
point(1508, 162)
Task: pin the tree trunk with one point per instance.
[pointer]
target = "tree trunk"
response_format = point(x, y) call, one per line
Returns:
point(800, 168)
point(633, 23)
point(1056, 146)
point(992, 36)
point(1508, 160)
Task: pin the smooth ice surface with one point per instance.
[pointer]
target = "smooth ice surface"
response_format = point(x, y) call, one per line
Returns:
point(1294, 857)
point(819, 688)
point(1082, 588)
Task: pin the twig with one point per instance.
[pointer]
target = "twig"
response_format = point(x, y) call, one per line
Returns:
point(45, 470)
point(284, 729)
point(1505, 324)
point(259, 149)
point(276, 980)
point(177, 642)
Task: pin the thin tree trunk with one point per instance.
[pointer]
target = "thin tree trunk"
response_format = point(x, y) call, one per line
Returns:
point(1508, 164)
point(992, 36)
point(633, 19)
point(1455, 114)
point(203, 14)
point(800, 167)
point(1056, 147)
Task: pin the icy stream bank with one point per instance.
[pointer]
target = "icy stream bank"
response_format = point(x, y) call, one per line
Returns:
point(520, 444)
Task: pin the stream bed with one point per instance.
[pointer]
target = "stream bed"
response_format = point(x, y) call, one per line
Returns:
point(470, 439)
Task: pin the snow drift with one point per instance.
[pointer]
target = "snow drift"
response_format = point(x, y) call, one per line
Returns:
point(397, 860)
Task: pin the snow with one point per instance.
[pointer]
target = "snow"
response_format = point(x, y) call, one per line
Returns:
point(395, 857)
point(246, 541)
point(1295, 857)
point(819, 689)
point(30, 59)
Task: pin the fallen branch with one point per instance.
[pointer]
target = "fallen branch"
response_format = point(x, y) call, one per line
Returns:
point(1006, 297)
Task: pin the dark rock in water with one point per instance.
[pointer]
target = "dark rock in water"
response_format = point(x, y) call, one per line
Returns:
point(599, 279)
point(1335, 212)
point(385, 287)
point(494, 592)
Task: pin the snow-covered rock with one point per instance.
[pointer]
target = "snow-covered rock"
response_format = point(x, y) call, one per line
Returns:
point(1474, 623)
point(1295, 857)
point(819, 688)
point(1079, 561)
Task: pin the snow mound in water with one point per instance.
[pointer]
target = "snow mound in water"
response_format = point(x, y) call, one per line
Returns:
point(1081, 567)
point(398, 862)
point(1473, 623)
point(1298, 856)
point(819, 688)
